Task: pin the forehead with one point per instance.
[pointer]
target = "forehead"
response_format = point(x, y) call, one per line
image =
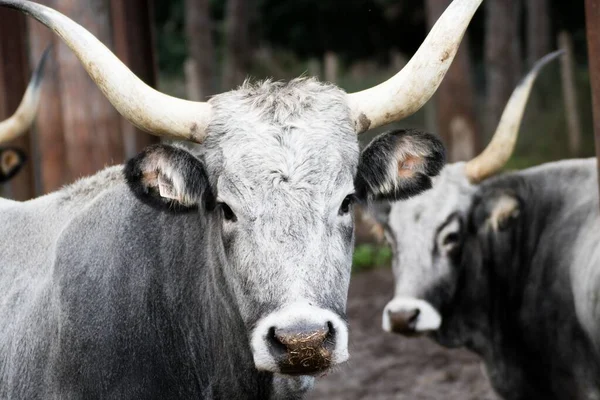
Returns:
point(298, 132)
point(450, 193)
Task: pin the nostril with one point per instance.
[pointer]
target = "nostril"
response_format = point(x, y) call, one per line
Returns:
point(414, 316)
point(330, 329)
point(276, 346)
point(330, 338)
point(404, 321)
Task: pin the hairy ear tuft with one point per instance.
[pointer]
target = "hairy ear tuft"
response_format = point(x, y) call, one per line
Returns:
point(399, 164)
point(496, 210)
point(169, 178)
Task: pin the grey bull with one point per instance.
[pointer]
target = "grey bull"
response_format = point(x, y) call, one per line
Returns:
point(219, 269)
point(13, 159)
point(508, 267)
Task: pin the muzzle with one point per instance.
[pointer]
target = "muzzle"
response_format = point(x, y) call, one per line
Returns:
point(300, 340)
point(409, 316)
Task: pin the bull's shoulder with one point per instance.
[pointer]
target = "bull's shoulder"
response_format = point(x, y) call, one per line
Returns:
point(115, 227)
point(89, 187)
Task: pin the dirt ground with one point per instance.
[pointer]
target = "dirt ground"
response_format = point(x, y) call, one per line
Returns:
point(383, 366)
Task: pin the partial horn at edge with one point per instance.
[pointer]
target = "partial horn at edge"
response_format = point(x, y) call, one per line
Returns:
point(21, 120)
point(502, 145)
point(143, 106)
point(407, 91)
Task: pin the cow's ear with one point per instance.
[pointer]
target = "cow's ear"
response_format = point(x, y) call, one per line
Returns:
point(496, 210)
point(398, 164)
point(168, 177)
point(11, 162)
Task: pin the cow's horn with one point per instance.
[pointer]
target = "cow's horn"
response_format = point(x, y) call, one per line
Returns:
point(407, 91)
point(497, 153)
point(22, 119)
point(146, 108)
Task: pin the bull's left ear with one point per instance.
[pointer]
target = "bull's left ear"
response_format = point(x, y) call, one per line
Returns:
point(398, 164)
point(11, 162)
point(168, 177)
point(496, 210)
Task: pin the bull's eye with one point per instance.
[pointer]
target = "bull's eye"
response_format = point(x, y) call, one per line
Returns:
point(346, 204)
point(451, 239)
point(228, 213)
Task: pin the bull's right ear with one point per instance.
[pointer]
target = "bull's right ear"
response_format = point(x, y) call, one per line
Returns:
point(398, 164)
point(169, 178)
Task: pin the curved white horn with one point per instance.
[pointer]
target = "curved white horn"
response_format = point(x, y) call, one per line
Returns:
point(144, 107)
point(22, 119)
point(501, 147)
point(407, 91)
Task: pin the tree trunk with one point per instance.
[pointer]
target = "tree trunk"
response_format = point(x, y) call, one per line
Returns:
point(134, 45)
point(502, 56)
point(51, 167)
point(331, 66)
point(455, 98)
point(592, 16)
point(570, 93)
point(92, 126)
point(538, 30)
point(14, 75)
point(314, 68)
point(237, 52)
point(199, 68)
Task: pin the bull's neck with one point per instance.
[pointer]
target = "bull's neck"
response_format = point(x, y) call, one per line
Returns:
point(521, 313)
point(209, 328)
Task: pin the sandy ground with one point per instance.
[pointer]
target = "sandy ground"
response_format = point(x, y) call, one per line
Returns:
point(383, 366)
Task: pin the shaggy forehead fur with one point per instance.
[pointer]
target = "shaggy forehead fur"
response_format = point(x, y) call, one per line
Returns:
point(298, 133)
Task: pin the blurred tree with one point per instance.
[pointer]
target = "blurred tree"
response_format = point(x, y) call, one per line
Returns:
point(50, 158)
point(199, 66)
point(538, 30)
point(332, 65)
point(134, 45)
point(170, 36)
point(538, 45)
point(502, 56)
point(310, 28)
point(237, 41)
point(567, 70)
point(92, 127)
point(13, 81)
point(454, 99)
point(592, 16)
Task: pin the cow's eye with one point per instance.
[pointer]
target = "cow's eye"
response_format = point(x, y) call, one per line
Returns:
point(228, 213)
point(451, 239)
point(346, 204)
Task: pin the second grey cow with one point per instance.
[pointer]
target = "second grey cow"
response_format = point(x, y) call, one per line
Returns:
point(508, 267)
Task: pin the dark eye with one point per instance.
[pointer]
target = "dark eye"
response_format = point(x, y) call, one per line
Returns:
point(451, 238)
point(346, 204)
point(227, 212)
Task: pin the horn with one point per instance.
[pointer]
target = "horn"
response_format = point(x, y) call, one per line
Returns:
point(497, 153)
point(407, 91)
point(22, 119)
point(143, 106)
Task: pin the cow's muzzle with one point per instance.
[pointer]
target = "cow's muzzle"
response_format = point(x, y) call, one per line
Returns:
point(303, 349)
point(409, 316)
point(300, 340)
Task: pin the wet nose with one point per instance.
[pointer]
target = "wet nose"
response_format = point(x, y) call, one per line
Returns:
point(404, 322)
point(304, 349)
